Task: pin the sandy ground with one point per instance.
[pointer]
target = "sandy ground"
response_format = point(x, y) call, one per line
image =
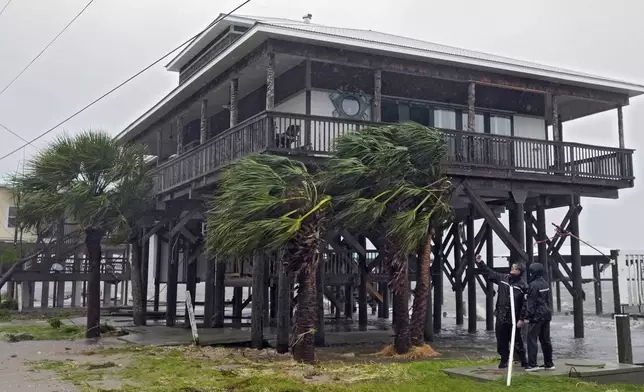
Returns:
point(16, 374)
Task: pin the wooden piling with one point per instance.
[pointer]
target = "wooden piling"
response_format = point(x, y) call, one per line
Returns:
point(209, 300)
point(219, 294)
point(575, 256)
point(624, 344)
point(617, 302)
point(171, 288)
point(471, 282)
point(489, 292)
point(458, 287)
point(598, 289)
point(257, 314)
point(362, 288)
point(320, 338)
point(348, 301)
point(283, 309)
point(437, 270)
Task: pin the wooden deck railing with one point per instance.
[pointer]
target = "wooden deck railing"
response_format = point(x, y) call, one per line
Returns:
point(473, 153)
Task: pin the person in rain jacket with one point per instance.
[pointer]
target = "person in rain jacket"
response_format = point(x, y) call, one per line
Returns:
point(537, 313)
point(503, 313)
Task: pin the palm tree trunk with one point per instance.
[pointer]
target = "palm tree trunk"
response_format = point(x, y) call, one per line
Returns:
point(306, 315)
point(421, 293)
point(399, 267)
point(93, 238)
point(138, 312)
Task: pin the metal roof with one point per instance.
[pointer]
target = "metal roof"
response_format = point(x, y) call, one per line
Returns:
point(431, 48)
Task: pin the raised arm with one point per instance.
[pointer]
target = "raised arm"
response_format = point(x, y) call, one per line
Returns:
point(492, 275)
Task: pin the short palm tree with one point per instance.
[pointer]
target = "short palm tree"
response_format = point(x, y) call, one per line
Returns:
point(265, 203)
point(386, 181)
point(94, 181)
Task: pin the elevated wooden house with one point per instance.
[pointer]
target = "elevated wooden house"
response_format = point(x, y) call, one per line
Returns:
point(269, 85)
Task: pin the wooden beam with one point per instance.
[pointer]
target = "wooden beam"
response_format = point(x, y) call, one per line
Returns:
point(492, 220)
point(351, 240)
point(376, 113)
point(620, 126)
point(203, 123)
point(270, 80)
point(193, 214)
point(180, 132)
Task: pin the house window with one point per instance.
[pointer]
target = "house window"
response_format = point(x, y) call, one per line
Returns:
point(11, 217)
point(479, 122)
point(444, 118)
point(501, 125)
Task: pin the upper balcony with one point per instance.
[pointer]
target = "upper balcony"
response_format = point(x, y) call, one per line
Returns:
point(470, 154)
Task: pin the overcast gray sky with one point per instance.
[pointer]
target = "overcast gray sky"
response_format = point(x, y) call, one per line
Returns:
point(115, 38)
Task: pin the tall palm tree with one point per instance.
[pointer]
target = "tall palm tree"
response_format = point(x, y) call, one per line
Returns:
point(266, 203)
point(94, 181)
point(387, 181)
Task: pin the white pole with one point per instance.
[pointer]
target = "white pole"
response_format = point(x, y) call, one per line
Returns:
point(512, 336)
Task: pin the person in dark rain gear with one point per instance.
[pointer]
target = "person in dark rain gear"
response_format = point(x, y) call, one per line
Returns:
point(503, 313)
point(537, 313)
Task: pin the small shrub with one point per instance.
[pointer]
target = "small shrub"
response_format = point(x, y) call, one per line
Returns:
point(55, 322)
point(5, 315)
point(10, 304)
point(69, 329)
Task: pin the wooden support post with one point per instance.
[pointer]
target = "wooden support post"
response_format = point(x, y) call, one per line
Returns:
point(159, 136)
point(171, 288)
point(437, 271)
point(377, 96)
point(283, 309)
point(598, 289)
point(234, 102)
point(517, 228)
point(458, 287)
point(529, 237)
point(575, 255)
point(338, 311)
point(428, 330)
point(266, 275)
point(209, 297)
point(617, 302)
point(620, 126)
point(270, 80)
point(44, 294)
point(471, 283)
point(558, 293)
point(60, 294)
point(257, 313)
point(348, 301)
point(180, 135)
point(191, 276)
point(489, 287)
point(203, 123)
point(362, 288)
point(273, 304)
point(157, 273)
point(11, 289)
point(471, 100)
point(542, 246)
point(386, 296)
point(145, 277)
point(219, 294)
point(320, 338)
point(624, 345)
point(308, 84)
point(238, 300)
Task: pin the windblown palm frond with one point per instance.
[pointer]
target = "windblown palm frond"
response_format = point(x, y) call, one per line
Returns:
point(261, 204)
point(389, 179)
point(89, 178)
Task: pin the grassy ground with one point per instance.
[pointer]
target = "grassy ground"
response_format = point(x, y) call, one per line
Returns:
point(55, 329)
point(40, 332)
point(217, 369)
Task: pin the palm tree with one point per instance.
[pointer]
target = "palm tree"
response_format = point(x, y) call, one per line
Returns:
point(267, 203)
point(92, 180)
point(387, 181)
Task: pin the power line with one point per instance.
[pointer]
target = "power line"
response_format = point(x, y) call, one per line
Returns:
point(13, 133)
point(5, 7)
point(124, 82)
point(46, 47)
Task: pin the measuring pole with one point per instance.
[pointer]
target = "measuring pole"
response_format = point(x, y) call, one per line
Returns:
point(513, 336)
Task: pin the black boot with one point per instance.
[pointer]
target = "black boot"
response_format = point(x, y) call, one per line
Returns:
point(503, 364)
